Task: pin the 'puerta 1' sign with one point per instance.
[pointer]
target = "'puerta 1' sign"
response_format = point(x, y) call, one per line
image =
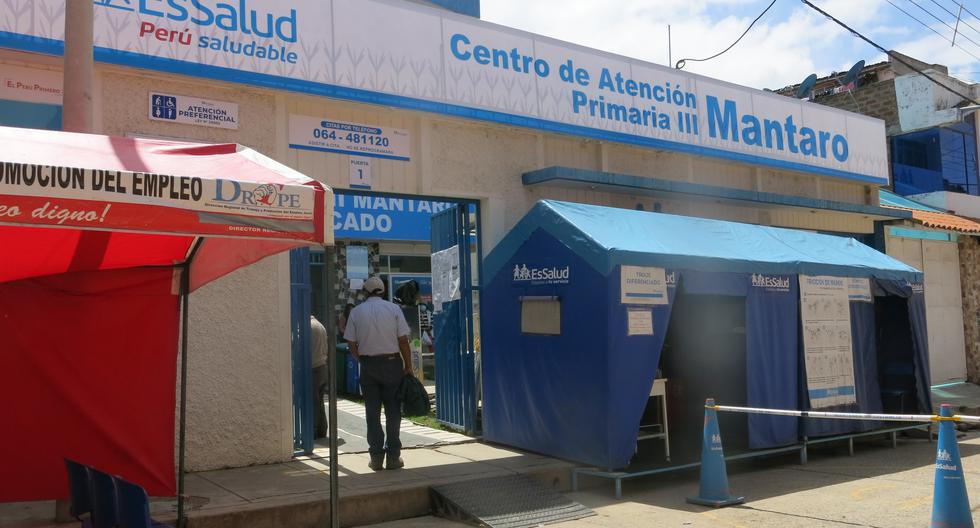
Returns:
point(357, 50)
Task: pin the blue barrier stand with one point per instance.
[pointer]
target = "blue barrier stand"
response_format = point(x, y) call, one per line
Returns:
point(713, 490)
point(950, 504)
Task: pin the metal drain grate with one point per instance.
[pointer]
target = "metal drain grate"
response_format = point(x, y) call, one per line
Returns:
point(512, 501)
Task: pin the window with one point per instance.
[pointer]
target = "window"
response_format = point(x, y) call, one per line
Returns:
point(959, 160)
point(912, 152)
point(938, 159)
point(30, 115)
point(541, 315)
point(408, 264)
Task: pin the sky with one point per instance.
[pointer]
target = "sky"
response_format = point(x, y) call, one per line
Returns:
point(787, 44)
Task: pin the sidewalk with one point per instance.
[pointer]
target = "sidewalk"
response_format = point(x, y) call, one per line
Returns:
point(964, 397)
point(352, 431)
point(879, 487)
point(295, 494)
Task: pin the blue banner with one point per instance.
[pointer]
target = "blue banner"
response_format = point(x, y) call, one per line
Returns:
point(771, 324)
point(383, 217)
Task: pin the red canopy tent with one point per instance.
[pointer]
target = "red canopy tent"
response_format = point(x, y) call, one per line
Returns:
point(100, 240)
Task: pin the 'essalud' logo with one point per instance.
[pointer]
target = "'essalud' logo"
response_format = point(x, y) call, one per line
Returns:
point(770, 283)
point(547, 275)
point(237, 18)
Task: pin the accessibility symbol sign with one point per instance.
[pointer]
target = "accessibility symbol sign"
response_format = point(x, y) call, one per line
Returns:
point(164, 107)
point(193, 111)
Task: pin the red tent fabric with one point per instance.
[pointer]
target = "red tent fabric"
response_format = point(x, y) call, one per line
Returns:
point(88, 369)
point(95, 232)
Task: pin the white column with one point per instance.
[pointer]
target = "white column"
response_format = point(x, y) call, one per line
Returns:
point(77, 115)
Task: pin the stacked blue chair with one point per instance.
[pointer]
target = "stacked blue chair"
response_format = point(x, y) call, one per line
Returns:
point(100, 500)
point(104, 509)
point(79, 492)
point(134, 506)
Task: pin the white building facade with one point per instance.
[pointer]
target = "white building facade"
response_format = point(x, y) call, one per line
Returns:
point(429, 105)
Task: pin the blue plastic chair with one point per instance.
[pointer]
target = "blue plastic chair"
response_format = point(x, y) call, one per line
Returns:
point(79, 492)
point(898, 381)
point(104, 513)
point(134, 506)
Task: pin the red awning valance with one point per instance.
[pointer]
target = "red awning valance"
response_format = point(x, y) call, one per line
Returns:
point(112, 203)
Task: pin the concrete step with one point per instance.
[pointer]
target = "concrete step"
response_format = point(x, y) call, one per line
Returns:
point(295, 494)
point(359, 507)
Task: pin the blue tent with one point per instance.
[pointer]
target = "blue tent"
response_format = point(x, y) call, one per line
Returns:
point(579, 389)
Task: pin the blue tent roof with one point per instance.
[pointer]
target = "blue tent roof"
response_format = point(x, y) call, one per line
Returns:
point(607, 237)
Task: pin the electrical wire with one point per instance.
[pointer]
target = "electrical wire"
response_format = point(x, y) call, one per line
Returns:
point(930, 28)
point(681, 63)
point(951, 28)
point(910, 15)
point(943, 22)
point(954, 15)
point(970, 13)
point(890, 55)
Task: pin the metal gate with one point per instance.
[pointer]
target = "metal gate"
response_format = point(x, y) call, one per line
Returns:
point(453, 322)
point(299, 327)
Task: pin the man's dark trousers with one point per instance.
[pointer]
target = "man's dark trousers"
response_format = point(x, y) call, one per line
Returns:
point(380, 378)
point(320, 381)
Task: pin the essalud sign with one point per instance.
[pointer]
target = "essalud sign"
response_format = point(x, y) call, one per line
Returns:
point(360, 50)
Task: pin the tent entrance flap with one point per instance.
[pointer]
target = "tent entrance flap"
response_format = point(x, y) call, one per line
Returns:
point(896, 368)
point(705, 357)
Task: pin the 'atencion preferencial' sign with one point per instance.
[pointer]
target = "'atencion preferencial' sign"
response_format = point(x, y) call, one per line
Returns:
point(193, 111)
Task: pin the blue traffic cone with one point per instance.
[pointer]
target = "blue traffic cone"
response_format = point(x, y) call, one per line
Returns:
point(714, 490)
point(950, 504)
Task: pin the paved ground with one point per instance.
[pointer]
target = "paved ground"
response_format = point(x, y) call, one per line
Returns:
point(352, 431)
point(295, 494)
point(429, 455)
point(879, 487)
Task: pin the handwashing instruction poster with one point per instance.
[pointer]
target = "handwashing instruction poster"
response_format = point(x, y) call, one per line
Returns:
point(828, 354)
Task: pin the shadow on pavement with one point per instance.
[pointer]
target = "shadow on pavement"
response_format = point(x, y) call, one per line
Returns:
point(781, 475)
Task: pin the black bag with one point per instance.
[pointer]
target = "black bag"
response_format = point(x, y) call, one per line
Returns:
point(415, 401)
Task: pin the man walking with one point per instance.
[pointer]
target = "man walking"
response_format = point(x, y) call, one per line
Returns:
point(318, 355)
point(377, 334)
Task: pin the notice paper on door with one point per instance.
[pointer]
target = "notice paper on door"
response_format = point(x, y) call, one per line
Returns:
point(639, 322)
point(445, 277)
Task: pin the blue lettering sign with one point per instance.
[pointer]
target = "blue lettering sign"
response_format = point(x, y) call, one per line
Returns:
point(240, 18)
point(724, 120)
point(383, 217)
